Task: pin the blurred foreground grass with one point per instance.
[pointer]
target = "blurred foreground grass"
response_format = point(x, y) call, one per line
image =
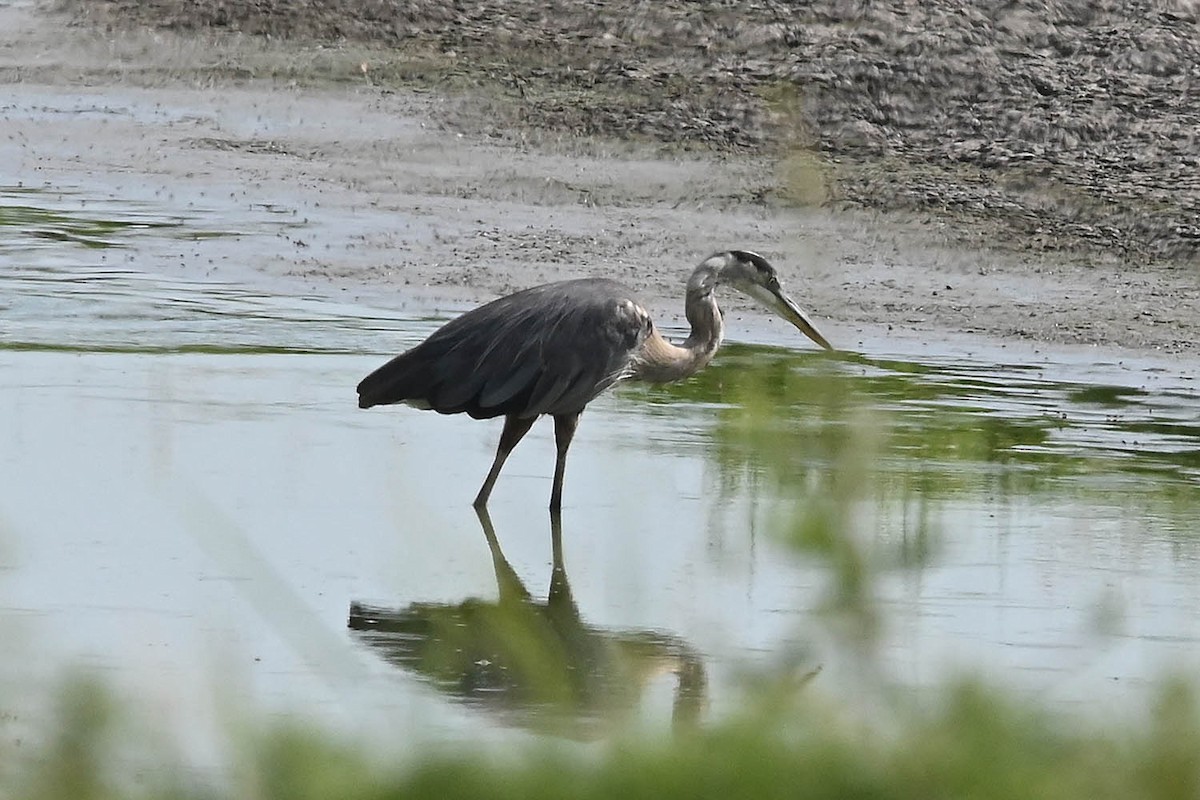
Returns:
point(787, 739)
point(974, 743)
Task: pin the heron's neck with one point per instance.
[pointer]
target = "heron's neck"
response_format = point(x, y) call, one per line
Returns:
point(662, 361)
point(707, 327)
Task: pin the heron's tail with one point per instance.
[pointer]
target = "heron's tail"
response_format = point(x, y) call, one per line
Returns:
point(402, 378)
point(441, 375)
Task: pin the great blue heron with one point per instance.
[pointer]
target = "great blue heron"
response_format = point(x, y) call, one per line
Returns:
point(553, 348)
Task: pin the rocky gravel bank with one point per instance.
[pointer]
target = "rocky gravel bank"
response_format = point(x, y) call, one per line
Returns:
point(1068, 126)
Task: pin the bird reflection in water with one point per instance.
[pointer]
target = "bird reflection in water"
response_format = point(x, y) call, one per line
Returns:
point(535, 664)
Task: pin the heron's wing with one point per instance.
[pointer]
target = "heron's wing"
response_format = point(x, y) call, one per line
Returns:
point(547, 350)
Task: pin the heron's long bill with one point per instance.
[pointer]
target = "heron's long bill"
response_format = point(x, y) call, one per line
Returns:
point(786, 307)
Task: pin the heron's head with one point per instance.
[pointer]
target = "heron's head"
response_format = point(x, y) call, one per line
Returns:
point(750, 274)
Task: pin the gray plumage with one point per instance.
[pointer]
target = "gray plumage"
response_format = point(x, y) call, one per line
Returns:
point(552, 349)
point(547, 350)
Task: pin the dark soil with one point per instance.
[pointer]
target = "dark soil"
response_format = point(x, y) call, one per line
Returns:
point(1066, 126)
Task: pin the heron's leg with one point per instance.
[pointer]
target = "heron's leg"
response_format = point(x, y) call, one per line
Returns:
point(559, 598)
point(514, 429)
point(564, 431)
point(512, 590)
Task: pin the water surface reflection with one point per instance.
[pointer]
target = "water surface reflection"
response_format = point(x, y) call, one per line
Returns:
point(534, 663)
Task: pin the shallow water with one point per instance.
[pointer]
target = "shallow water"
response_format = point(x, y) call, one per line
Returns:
point(193, 505)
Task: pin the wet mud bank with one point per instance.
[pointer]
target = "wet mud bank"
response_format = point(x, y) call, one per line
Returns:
point(1019, 172)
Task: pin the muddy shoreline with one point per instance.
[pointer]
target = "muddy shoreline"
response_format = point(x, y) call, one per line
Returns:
point(453, 184)
point(1045, 126)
